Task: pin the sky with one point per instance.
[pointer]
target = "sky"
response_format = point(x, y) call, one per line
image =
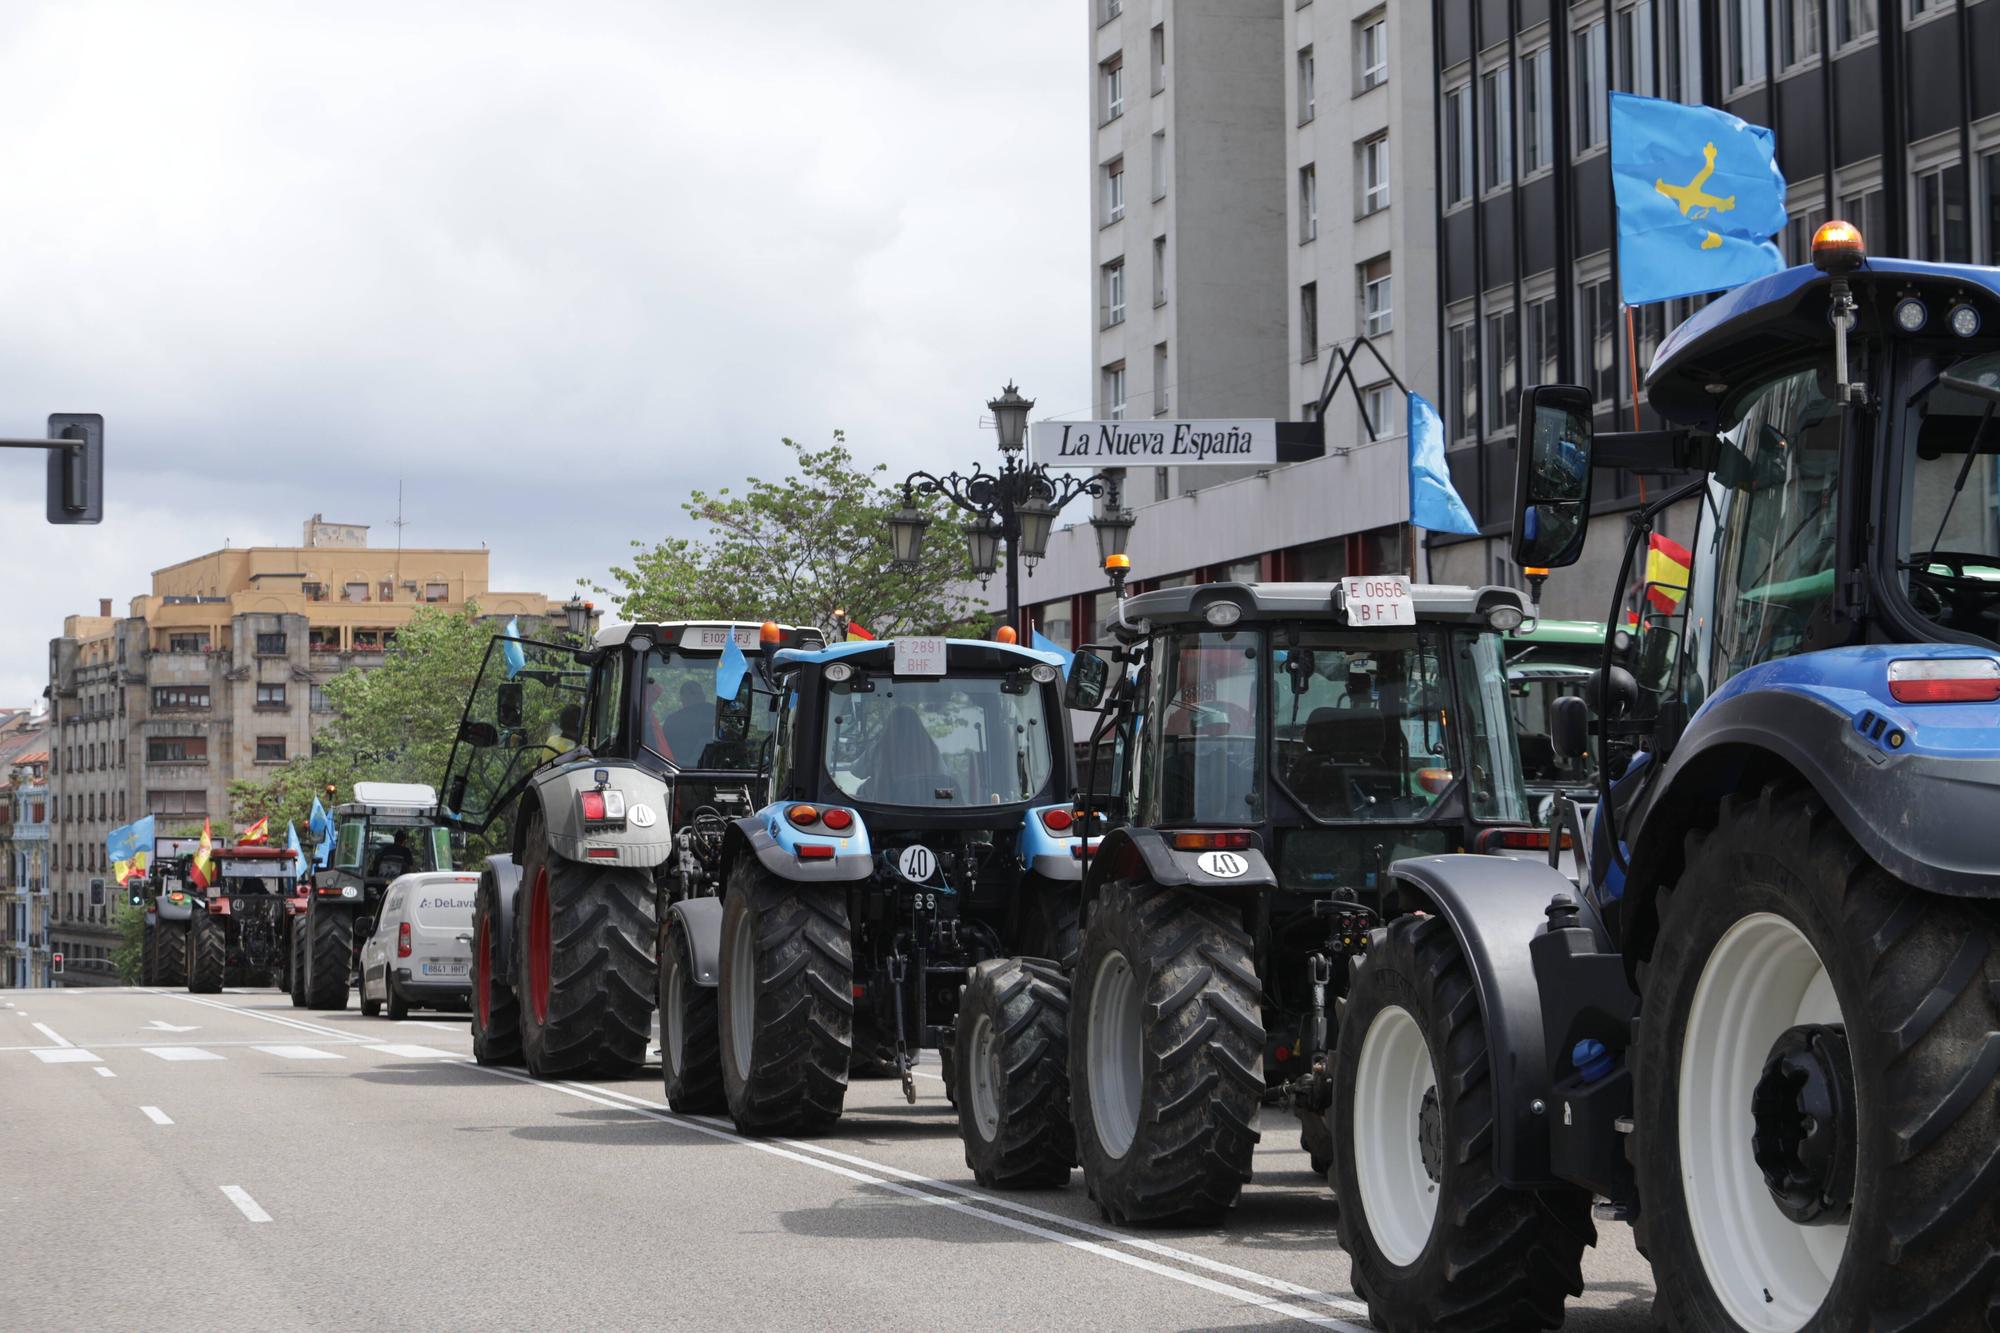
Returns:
point(552, 266)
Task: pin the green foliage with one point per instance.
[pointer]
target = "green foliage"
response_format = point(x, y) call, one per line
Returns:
point(798, 549)
point(131, 923)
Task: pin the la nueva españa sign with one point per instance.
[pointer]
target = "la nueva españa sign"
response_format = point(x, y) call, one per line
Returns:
point(1156, 443)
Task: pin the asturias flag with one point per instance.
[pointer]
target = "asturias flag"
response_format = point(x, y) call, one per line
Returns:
point(1434, 502)
point(1699, 198)
point(203, 868)
point(1668, 565)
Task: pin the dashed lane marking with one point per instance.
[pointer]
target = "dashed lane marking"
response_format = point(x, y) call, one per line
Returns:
point(299, 1052)
point(415, 1052)
point(245, 1205)
point(156, 1115)
point(51, 1034)
point(180, 1053)
point(294, 1023)
point(64, 1055)
point(105, 1073)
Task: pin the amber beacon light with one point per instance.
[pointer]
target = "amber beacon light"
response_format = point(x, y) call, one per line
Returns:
point(1837, 247)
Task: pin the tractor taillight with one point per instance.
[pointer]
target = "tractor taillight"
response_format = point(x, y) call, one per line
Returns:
point(815, 851)
point(1518, 840)
point(603, 806)
point(1058, 820)
point(403, 940)
point(837, 820)
point(805, 816)
point(1228, 840)
point(1945, 680)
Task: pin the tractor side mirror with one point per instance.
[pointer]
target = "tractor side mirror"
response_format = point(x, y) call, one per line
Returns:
point(1569, 728)
point(569, 722)
point(508, 708)
point(1552, 476)
point(479, 735)
point(1088, 675)
point(732, 719)
point(1657, 647)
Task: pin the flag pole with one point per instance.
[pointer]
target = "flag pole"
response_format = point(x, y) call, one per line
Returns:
point(1632, 366)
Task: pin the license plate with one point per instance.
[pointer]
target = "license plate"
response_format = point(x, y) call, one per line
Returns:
point(718, 636)
point(446, 968)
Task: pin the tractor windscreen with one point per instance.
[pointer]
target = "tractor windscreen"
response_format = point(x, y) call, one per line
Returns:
point(677, 715)
point(1950, 548)
point(938, 743)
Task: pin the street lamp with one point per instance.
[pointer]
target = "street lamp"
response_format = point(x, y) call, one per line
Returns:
point(1017, 505)
point(577, 614)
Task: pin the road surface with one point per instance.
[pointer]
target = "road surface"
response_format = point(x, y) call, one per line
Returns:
point(229, 1162)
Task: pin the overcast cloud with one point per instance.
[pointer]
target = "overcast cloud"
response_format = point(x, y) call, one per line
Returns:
point(553, 265)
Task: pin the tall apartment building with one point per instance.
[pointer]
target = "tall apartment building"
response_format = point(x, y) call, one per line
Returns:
point(214, 675)
point(1881, 114)
point(24, 840)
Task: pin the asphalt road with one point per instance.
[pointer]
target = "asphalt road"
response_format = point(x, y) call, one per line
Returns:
point(172, 1161)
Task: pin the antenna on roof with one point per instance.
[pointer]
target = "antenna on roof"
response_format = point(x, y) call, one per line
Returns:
point(401, 523)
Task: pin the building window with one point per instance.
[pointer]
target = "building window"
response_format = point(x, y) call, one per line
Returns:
point(1597, 311)
point(1162, 398)
point(1159, 57)
point(1680, 48)
point(1377, 404)
point(1109, 10)
point(388, 590)
point(1159, 164)
point(314, 592)
point(1743, 42)
point(169, 698)
point(317, 700)
point(371, 640)
point(1457, 145)
point(1852, 21)
point(1114, 391)
point(437, 592)
point(270, 696)
point(1798, 32)
point(1635, 48)
point(270, 645)
point(1592, 105)
point(323, 640)
point(1503, 370)
point(187, 643)
point(1462, 393)
point(1377, 286)
point(1944, 234)
point(1864, 209)
point(1373, 158)
point(1114, 292)
point(1159, 270)
point(1649, 326)
point(1799, 233)
point(1992, 167)
point(1371, 53)
point(354, 592)
point(270, 749)
point(1308, 89)
point(177, 749)
point(177, 802)
point(1308, 202)
point(1538, 142)
point(1114, 190)
point(1309, 321)
point(1496, 129)
point(1542, 362)
point(1111, 87)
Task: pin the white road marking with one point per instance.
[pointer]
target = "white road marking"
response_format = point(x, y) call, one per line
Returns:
point(180, 1052)
point(313, 1028)
point(298, 1052)
point(157, 1116)
point(105, 1072)
point(158, 1025)
point(244, 1203)
point(416, 1052)
point(142, 1045)
point(50, 1033)
point(441, 1027)
point(586, 1093)
point(64, 1055)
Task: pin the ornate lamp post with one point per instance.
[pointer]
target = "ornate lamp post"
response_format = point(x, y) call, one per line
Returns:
point(1016, 505)
point(577, 615)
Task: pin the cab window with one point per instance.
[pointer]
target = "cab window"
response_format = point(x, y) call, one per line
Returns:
point(607, 694)
point(1207, 719)
point(347, 850)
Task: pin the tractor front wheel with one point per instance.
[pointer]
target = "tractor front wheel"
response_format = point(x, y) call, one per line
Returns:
point(1011, 1075)
point(329, 956)
point(207, 955)
point(1817, 1130)
point(170, 953)
point(149, 956)
point(787, 1002)
point(690, 1031)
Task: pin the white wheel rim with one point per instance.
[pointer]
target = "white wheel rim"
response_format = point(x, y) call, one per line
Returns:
point(676, 995)
point(1391, 1077)
point(742, 992)
point(983, 1079)
point(1117, 1046)
point(1770, 1273)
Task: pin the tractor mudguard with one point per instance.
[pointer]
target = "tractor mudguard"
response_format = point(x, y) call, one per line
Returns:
point(175, 911)
point(775, 841)
point(700, 923)
point(1496, 906)
point(645, 840)
point(506, 879)
point(1130, 851)
point(1050, 855)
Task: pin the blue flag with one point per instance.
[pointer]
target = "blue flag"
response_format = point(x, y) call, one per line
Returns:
point(1699, 198)
point(1044, 644)
point(298, 852)
point(731, 669)
point(320, 825)
point(511, 650)
point(1434, 503)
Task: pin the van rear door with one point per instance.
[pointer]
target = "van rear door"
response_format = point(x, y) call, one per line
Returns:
point(439, 913)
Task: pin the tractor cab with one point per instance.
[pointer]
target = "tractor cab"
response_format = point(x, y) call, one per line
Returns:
point(1549, 660)
point(388, 829)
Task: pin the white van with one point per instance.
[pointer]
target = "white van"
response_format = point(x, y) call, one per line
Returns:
point(420, 955)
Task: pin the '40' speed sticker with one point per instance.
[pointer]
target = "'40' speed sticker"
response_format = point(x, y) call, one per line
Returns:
point(1222, 865)
point(918, 863)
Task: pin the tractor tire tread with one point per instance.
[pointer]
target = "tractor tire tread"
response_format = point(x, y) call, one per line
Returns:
point(1026, 1001)
point(802, 1017)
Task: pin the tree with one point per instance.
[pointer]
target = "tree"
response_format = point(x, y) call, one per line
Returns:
point(798, 550)
point(130, 950)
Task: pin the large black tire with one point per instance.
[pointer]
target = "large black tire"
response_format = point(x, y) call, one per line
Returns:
point(787, 1002)
point(1182, 1088)
point(1493, 1257)
point(1916, 979)
point(1012, 1073)
point(329, 956)
point(496, 1009)
point(170, 953)
point(1050, 926)
point(207, 955)
point(295, 974)
point(690, 1031)
point(584, 970)
point(149, 956)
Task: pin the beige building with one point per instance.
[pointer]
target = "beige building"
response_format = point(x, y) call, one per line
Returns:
point(215, 675)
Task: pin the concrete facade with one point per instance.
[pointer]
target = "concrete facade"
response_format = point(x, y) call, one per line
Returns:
point(24, 848)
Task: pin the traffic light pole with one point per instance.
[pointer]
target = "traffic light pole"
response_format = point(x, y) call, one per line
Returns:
point(76, 466)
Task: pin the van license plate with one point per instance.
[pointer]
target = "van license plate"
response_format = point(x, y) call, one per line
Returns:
point(447, 968)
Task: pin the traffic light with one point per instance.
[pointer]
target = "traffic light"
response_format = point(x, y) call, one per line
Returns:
point(76, 471)
point(97, 893)
point(135, 895)
point(55, 963)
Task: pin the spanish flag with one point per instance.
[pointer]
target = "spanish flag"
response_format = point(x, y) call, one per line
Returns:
point(203, 868)
point(858, 634)
point(257, 833)
point(1668, 567)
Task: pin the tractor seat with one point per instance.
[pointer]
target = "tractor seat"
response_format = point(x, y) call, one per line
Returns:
point(1347, 763)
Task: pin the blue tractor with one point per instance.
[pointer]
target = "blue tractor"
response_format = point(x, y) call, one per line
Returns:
point(918, 842)
point(1764, 1026)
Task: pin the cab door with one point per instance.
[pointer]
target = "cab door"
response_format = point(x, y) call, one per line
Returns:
point(526, 707)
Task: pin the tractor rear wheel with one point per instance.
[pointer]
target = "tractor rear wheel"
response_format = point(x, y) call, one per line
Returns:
point(585, 968)
point(170, 953)
point(329, 956)
point(149, 956)
point(295, 976)
point(787, 1002)
point(1166, 1049)
point(496, 1008)
point(1050, 927)
point(1012, 1075)
point(207, 955)
point(1436, 1241)
point(690, 1031)
point(1817, 1086)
